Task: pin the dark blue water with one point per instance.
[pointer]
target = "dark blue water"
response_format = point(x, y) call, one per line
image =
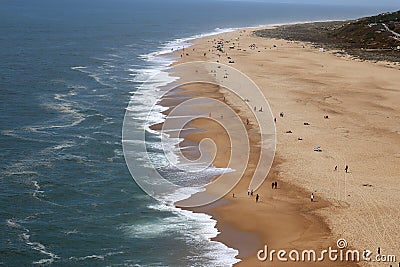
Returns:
point(67, 72)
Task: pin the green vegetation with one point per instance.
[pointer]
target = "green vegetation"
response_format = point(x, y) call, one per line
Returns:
point(372, 38)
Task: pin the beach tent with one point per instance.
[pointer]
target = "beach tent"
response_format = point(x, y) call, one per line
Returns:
point(317, 149)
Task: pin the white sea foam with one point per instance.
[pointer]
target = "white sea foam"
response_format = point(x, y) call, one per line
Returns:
point(155, 77)
point(26, 238)
point(65, 106)
point(99, 80)
point(37, 192)
point(78, 67)
point(95, 257)
point(13, 224)
point(63, 145)
point(180, 43)
point(71, 232)
point(118, 153)
point(197, 227)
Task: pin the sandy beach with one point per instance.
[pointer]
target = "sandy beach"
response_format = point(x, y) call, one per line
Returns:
point(347, 107)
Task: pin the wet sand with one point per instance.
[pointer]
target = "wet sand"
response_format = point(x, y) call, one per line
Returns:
point(362, 131)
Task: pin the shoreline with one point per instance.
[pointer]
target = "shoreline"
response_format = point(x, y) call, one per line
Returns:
point(233, 234)
point(216, 212)
point(290, 199)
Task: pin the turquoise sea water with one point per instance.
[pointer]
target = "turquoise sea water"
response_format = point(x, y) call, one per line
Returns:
point(67, 72)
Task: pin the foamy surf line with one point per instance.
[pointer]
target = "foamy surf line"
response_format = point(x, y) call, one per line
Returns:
point(171, 46)
point(201, 224)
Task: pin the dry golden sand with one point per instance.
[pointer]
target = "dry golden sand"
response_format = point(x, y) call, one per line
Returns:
point(363, 131)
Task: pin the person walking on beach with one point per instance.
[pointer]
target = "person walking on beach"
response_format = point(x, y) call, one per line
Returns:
point(276, 185)
point(273, 185)
point(251, 193)
point(336, 168)
point(346, 168)
point(312, 197)
point(257, 197)
point(248, 192)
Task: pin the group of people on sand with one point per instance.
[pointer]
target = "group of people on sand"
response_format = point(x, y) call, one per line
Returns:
point(250, 192)
point(274, 185)
point(346, 168)
point(260, 110)
point(252, 46)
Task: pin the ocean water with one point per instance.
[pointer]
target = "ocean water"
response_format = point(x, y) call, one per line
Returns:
point(68, 70)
